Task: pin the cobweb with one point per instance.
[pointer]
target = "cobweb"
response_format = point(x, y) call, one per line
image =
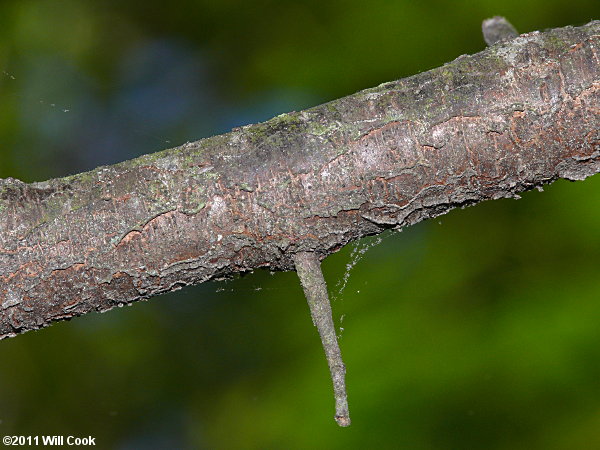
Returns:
point(10, 78)
point(358, 251)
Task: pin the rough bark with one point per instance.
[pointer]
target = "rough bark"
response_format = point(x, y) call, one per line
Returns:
point(519, 114)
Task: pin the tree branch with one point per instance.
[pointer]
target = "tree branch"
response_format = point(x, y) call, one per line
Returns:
point(519, 114)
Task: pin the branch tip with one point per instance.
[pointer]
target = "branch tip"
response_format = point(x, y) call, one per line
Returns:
point(497, 29)
point(313, 283)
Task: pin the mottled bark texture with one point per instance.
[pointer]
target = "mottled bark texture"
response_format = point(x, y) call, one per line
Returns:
point(519, 114)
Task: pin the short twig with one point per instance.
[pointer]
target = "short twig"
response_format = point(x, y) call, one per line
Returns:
point(497, 29)
point(309, 271)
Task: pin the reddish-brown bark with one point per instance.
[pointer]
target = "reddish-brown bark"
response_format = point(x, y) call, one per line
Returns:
point(520, 114)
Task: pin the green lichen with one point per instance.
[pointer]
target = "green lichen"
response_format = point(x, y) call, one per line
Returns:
point(193, 210)
point(287, 118)
point(245, 187)
point(211, 175)
point(284, 184)
point(331, 107)
point(260, 132)
point(555, 42)
point(79, 178)
point(322, 129)
point(319, 129)
point(147, 160)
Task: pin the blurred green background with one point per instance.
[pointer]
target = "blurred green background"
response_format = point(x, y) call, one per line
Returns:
point(476, 330)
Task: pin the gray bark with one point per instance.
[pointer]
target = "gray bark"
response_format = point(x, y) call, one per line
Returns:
point(522, 113)
point(309, 272)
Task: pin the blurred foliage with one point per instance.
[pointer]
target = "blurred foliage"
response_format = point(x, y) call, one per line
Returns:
point(475, 330)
